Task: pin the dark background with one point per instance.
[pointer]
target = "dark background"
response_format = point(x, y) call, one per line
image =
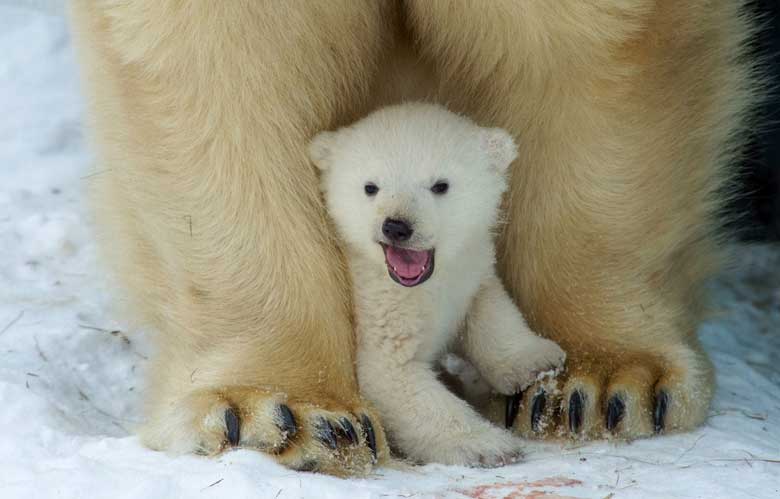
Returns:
point(758, 203)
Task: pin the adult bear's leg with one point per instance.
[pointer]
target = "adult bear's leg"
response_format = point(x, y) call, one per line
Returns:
point(627, 115)
point(211, 213)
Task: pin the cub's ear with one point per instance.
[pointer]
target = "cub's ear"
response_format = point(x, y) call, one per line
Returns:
point(499, 146)
point(321, 149)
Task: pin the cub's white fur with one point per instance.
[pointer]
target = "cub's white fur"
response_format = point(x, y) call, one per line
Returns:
point(403, 331)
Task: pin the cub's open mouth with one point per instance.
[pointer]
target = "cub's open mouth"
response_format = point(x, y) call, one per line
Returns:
point(408, 267)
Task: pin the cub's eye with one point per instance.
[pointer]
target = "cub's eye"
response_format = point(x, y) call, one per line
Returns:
point(371, 189)
point(440, 188)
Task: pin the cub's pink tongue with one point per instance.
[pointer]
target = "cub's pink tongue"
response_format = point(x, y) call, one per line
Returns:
point(406, 263)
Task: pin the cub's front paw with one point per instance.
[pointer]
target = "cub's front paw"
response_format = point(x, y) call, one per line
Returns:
point(523, 363)
point(324, 437)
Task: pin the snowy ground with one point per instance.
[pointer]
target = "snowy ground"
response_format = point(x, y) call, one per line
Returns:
point(69, 379)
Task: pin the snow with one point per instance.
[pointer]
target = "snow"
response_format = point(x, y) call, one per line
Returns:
point(71, 374)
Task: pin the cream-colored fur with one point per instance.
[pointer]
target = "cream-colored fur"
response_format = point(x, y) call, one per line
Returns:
point(403, 331)
point(211, 212)
point(629, 113)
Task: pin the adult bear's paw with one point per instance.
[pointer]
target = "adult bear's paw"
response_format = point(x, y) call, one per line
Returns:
point(323, 437)
point(622, 395)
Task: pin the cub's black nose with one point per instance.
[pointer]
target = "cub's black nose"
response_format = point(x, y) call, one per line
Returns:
point(396, 230)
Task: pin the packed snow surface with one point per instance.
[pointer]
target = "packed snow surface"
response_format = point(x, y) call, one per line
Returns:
point(71, 371)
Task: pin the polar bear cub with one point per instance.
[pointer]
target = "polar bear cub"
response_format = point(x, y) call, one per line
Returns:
point(414, 191)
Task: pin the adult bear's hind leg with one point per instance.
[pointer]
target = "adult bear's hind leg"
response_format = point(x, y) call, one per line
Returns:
point(625, 115)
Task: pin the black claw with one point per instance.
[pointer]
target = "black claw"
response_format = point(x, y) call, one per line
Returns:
point(616, 408)
point(659, 413)
point(537, 410)
point(346, 430)
point(512, 408)
point(325, 433)
point(287, 421)
point(233, 426)
point(368, 432)
point(576, 403)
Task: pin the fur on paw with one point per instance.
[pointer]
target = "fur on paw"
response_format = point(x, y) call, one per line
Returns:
point(490, 449)
point(532, 360)
point(481, 445)
point(626, 396)
point(323, 437)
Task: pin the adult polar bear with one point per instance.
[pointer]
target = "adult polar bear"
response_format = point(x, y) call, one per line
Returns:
point(628, 112)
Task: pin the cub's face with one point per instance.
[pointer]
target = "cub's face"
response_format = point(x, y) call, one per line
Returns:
point(412, 186)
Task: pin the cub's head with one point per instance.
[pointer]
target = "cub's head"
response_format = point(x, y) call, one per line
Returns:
point(413, 184)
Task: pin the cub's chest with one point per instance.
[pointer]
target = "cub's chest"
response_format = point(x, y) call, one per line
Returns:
point(424, 319)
